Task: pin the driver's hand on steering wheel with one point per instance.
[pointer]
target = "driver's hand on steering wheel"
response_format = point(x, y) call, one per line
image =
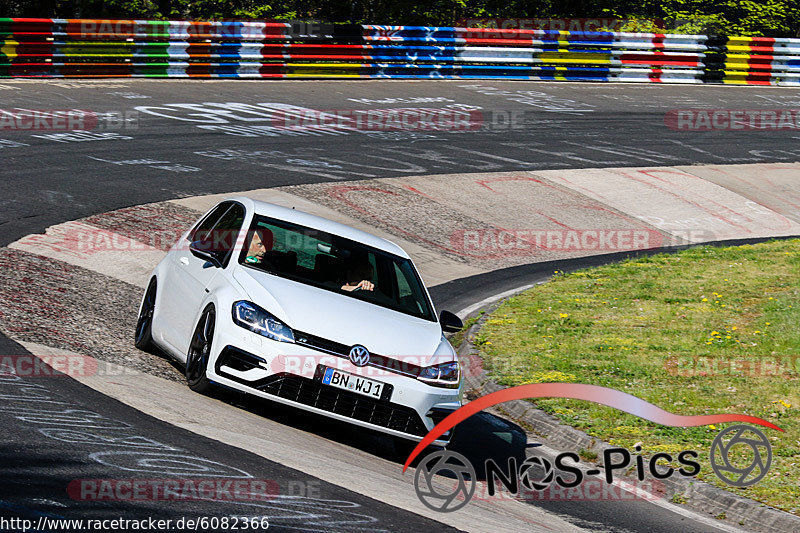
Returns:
point(363, 285)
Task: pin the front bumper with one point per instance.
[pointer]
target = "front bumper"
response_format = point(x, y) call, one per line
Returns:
point(290, 374)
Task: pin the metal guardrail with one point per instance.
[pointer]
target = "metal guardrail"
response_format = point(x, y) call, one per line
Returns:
point(225, 49)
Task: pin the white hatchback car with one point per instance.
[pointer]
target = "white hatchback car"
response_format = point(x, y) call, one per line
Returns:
point(305, 311)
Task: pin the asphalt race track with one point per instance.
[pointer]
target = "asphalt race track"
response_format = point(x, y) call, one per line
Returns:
point(53, 179)
point(35, 476)
point(158, 141)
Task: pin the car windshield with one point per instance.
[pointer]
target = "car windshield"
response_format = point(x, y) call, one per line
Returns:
point(331, 262)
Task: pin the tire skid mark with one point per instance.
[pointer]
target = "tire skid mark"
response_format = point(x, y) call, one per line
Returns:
point(567, 204)
point(150, 224)
point(589, 204)
point(713, 210)
point(341, 192)
point(749, 186)
point(723, 207)
point(485, 182)
point(435, 215)
point(337, 196)
point(124, 244)
point(686, 200)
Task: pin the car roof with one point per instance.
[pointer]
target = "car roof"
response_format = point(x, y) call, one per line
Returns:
point(308, 220)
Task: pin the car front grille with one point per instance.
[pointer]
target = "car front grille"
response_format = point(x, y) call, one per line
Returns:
point(312, 341)
point(349, 404)
point(398, 366)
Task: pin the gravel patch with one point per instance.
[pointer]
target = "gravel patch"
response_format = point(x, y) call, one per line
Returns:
point(158, 225)
point(60, 305)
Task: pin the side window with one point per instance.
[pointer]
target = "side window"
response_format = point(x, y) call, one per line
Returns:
point(305, 244)
point(225, 231)
point(409, 294)
point(373, 265)
point(200, 232)
point(402, 282)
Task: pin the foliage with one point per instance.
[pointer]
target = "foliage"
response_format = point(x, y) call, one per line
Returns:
point(701, 331)
point(776, 18)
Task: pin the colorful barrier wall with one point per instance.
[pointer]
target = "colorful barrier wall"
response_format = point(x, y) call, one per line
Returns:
point(225, 49)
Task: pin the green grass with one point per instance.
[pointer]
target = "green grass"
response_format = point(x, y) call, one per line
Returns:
point(627, 326)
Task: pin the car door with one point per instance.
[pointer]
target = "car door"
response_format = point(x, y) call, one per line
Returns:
point(183, 270)
point(197, 274)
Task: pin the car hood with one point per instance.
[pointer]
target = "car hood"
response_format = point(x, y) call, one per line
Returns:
point(340, 318)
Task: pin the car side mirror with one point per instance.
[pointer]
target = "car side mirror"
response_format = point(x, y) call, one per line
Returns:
point(450, 322)
point(201, 249)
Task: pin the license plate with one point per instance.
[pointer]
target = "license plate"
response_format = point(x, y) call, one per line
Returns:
point(346, 381)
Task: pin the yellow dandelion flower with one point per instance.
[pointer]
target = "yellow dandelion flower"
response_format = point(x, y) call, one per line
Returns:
point(712, 426)
point(704, 300)
point(563, 315)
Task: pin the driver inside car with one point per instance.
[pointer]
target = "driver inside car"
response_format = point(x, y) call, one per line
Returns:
point(259, 244)
point(359, 273)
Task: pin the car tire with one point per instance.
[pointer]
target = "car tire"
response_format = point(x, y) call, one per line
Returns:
point(143, 337)
point(199, 352)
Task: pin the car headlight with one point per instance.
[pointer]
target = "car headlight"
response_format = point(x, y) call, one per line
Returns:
point(250, 316)
point(443, 375)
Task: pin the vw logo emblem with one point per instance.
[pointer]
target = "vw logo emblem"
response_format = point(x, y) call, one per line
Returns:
point(359, 355)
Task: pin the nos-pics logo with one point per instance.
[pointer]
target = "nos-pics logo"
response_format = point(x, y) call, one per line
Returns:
point(446, 480)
